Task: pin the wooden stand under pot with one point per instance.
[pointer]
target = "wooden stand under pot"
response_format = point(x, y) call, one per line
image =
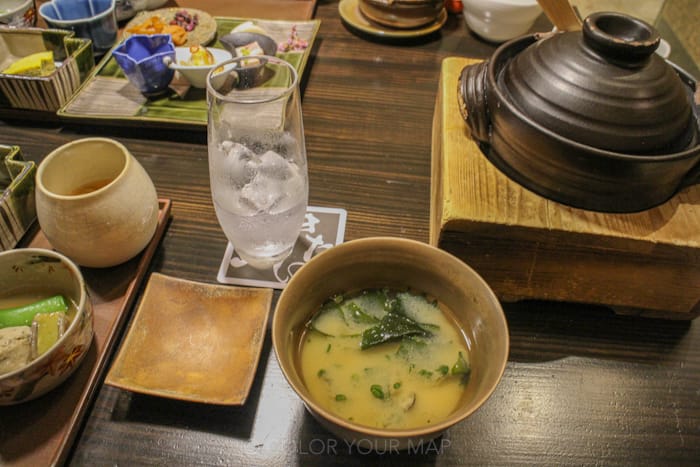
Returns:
point(529, 247)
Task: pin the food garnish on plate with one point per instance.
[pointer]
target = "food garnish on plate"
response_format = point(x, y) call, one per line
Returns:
point(156, 25)
point(185, 20)
point(250, 50)
point(199, 56)
point(294, 43)
point(36, 64)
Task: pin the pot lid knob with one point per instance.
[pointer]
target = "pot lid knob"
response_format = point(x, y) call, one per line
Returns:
point(604, 87)
point(620, 38)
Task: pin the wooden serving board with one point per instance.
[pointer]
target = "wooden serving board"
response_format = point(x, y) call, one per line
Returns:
point(529, 247)
point(41, 432)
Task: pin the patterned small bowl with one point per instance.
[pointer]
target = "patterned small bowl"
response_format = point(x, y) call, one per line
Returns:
point(142, 58)
point(73, 57)
point(18, 13)
point(39, 271)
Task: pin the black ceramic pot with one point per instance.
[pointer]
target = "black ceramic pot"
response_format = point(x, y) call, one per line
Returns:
point(593, 119)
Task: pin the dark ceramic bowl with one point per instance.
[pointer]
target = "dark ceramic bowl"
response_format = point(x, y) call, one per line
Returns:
point(593, 119)
point(401, 14)
point(235, 40)
point(254, 70)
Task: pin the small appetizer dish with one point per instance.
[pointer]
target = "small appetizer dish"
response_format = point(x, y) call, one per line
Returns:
point(244, 44)
point(41, 69)
point(187, 26)
point(46, 322)
point(195, 62)
point(255, 47)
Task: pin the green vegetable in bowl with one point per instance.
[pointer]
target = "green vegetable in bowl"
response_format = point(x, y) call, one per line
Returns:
point(23, 315)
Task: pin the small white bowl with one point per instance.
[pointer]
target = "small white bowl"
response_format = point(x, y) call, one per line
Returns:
point(500, 20)
point(197, 75)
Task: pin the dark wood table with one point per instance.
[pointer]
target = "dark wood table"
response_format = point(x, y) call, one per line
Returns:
point(582, 386)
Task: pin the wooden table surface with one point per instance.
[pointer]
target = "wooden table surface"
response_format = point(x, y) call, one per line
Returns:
point(582, 385)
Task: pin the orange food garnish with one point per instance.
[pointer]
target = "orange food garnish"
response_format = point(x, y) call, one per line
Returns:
point(155, 25)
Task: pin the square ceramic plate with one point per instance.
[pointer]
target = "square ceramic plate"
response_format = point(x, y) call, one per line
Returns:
point(109, 98)
point(193, 341)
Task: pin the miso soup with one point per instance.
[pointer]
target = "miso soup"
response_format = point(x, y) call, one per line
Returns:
point(386, 359)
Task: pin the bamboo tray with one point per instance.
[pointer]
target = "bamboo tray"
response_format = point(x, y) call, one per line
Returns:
point(42, 431)
point(529, 247)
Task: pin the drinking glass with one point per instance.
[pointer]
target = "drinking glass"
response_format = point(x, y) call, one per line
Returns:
point(257, 157)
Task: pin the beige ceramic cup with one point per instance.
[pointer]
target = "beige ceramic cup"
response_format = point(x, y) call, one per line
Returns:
point(95, 203)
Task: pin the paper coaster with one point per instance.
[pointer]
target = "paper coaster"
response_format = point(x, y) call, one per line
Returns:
point(322, 229)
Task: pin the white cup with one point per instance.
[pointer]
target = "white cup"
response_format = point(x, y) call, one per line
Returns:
point(500, 20)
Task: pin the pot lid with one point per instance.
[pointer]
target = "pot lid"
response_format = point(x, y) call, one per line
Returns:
point(604, 87)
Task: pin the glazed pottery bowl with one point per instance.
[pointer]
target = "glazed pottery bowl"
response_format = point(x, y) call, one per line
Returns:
point(16, 196)
point(500, 20)
point(18, 13)
point(43, 93)
point(45, 273)
point(143, 59)
point(197, 74)
point(90, 19)
point(95, 203)
point(401, 14)
point(607, 125)
point(398, 264)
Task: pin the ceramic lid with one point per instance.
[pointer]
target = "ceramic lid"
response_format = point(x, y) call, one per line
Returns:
point(604, 87)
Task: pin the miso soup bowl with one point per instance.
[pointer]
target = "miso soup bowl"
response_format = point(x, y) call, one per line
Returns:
point(45, 273)
point(394, 263)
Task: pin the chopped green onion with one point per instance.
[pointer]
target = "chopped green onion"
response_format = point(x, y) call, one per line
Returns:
point(461, 366)
point(377, 391)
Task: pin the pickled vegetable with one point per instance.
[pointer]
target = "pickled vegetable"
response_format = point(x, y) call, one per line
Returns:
point(37, 64)
point(49, 328)
point(199, 56)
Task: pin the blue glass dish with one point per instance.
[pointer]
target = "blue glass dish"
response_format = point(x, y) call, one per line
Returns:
point(141, 57)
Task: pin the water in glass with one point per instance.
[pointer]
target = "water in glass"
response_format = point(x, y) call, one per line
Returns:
point(257, 158)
